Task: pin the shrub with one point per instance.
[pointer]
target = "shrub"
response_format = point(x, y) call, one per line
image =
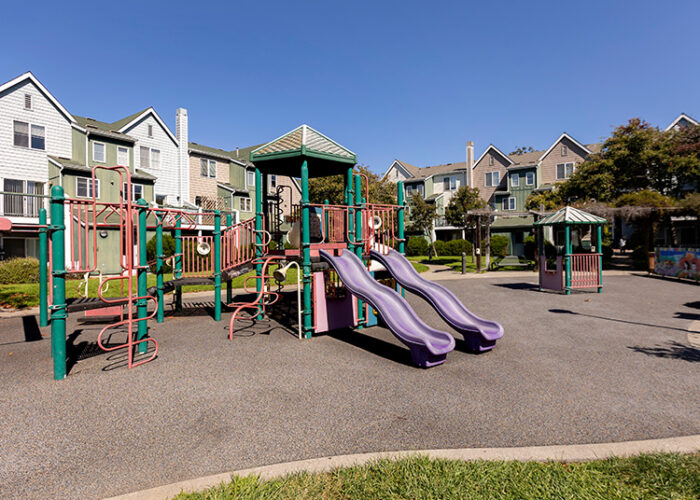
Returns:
point(417, 245)
point(168, 251)
point(530, 247)
point(456, 247)
point(441, 247)
point(19, 270)
point(499, 245)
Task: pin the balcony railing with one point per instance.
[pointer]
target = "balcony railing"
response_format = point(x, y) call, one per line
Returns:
point(21, 204)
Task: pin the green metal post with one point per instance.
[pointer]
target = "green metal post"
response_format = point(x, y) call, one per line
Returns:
point(567, 258)
point(306, 250)
point(599, 248)
point(217, 266)
point(58, 312)
point(326, 227)
point(229, 283)
point(142, 277)
point(350, 199)
point(258, 234)
point(358, 239)
point(540, 254)
point(159, 269)
point(43, 269)
point(400, 216)
point(177, 269)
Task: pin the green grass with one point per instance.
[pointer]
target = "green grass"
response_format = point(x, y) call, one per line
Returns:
point(20, 296)
point(453, 261)
point(648, 476)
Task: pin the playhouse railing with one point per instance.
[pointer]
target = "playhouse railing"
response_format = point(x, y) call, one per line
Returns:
point(585, 270)
point(379, 227)
point(238, 244)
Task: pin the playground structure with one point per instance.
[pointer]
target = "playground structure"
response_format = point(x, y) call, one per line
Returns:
point(567, 270)
point(330, 245)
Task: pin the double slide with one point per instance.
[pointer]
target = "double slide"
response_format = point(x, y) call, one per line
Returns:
point(428, 346)
point(479, 334)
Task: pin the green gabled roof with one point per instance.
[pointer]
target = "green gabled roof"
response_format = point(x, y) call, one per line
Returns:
point(120, 123)
point(504, 222)
point(243, 154)
point(570, 215)
point(303, 141)
point(102, 128)
point(69, 164)
point(206, 150)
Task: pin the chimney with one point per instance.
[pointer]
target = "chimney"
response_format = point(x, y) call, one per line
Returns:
point(470, 163)
point(182, 134)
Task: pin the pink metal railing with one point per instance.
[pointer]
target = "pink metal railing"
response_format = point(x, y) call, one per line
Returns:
point(193, 263)
point(238, 244)
point(378, 227)
point(585, 270)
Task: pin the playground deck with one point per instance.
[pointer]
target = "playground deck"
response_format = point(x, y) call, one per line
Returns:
point(578, 369)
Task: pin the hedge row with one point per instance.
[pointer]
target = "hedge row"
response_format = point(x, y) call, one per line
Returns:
point(19, 270)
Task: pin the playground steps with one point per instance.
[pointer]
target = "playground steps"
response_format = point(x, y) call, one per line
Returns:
point(86, 304)
point(228, 275)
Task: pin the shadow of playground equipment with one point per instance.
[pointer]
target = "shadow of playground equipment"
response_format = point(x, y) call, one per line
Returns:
point(517, 286)
point(31, 328)
point(671, 350)
point(664, 327)
point(374, 345)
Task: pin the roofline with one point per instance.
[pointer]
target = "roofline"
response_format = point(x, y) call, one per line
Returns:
point(208, 153)
point(304, 126)
point(227, 188)
point(78, 128)
point(29, 76)
point(158, 119)
point(557, 142)
point(678, 118)
point(402, 166)
point(487, 150)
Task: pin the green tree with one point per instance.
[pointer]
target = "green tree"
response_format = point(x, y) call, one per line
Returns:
point(550, 199)
point(422, 217)
point(464, 200)
point(332, 188)
point(522, 150)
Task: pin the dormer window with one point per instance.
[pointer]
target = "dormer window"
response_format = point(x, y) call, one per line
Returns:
point(150, 131)
point(564, 150)
point(27, 101)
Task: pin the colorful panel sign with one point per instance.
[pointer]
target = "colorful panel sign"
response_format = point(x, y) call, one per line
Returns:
point(678, 262)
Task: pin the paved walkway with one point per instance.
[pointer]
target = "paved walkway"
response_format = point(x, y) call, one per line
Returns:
point(587, 368)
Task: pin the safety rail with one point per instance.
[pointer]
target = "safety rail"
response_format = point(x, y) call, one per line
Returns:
point(333, 222)
point(379, 224)
point(585, 270)
point(237, 244)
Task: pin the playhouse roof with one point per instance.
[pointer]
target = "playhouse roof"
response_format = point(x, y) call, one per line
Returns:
point(570, 215)
point(303, 141)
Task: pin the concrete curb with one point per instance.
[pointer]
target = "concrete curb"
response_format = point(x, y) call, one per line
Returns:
point(568, 453)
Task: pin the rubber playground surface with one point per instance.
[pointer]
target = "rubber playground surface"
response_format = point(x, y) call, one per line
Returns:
point(586, 368)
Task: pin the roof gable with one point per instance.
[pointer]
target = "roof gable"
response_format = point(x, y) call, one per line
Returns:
point(491, 146)
point(29, 76)
point(101, 128)
point(570, 215)
point(303, 139)
point(400, 165)
point(125, 124)
point(563, 136)
point(680, 118)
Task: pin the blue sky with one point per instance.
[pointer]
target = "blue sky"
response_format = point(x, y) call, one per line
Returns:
point(408, 80)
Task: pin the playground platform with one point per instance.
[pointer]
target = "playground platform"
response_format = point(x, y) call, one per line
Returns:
point(586, 368)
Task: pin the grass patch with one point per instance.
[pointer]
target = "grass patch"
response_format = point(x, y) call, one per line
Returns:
point(452, 261)
point(647, 476)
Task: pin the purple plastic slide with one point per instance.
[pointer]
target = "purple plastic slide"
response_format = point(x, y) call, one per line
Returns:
point(429, 347)
point(479, 334)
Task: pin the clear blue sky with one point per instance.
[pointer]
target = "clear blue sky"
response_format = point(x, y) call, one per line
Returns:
point(408, 80)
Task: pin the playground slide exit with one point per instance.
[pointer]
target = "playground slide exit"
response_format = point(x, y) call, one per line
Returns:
point(428, 346)
point(479, 334)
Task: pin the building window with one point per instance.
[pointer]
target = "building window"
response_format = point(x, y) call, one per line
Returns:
point(207, 168)
point(27, 101)
point(490, 160)
point(514, 180)
point(251, 178)
point(155, 158)
point(530, 178)
point(122, 156)
point(98, 152)
point(446, 184)
point(150, 131)
point(84, 187)
point(509, 203)
point(564, 170)
point(145, 154)
point(13, 203)
point(160, 200)
point(22, 136)
point(136, 191)
point(244, 204)
point(564, 150)
point(492, 179)
point(273, 181)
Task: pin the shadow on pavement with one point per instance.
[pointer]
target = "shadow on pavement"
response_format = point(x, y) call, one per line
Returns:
point(379, 347)
point(31, 328)
point(672, 350)
point(517, 286)
point(566, 311)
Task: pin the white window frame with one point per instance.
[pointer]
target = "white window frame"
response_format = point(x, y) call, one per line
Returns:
point(250, 177)
point(142, 150)
point(244, 204)
point(492, 179)
point(207, 168)
point(104, 152)
point(273, 181)
point(533, 178)
point(29, 135)
point(149, 131)
point(133, 190)
point(28, 99)
point(515, 179)
point(508, 203)
point(88, 185)
point(126, 150)
point(153, 163)
point(566, 168)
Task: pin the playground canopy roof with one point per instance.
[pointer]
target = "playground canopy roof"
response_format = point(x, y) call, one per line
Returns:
point(324, 155)
point(570, 215)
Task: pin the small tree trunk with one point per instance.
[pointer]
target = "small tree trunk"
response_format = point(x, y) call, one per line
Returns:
point(488, 242)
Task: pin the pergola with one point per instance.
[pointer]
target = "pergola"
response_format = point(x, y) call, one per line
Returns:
point(580, 270)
